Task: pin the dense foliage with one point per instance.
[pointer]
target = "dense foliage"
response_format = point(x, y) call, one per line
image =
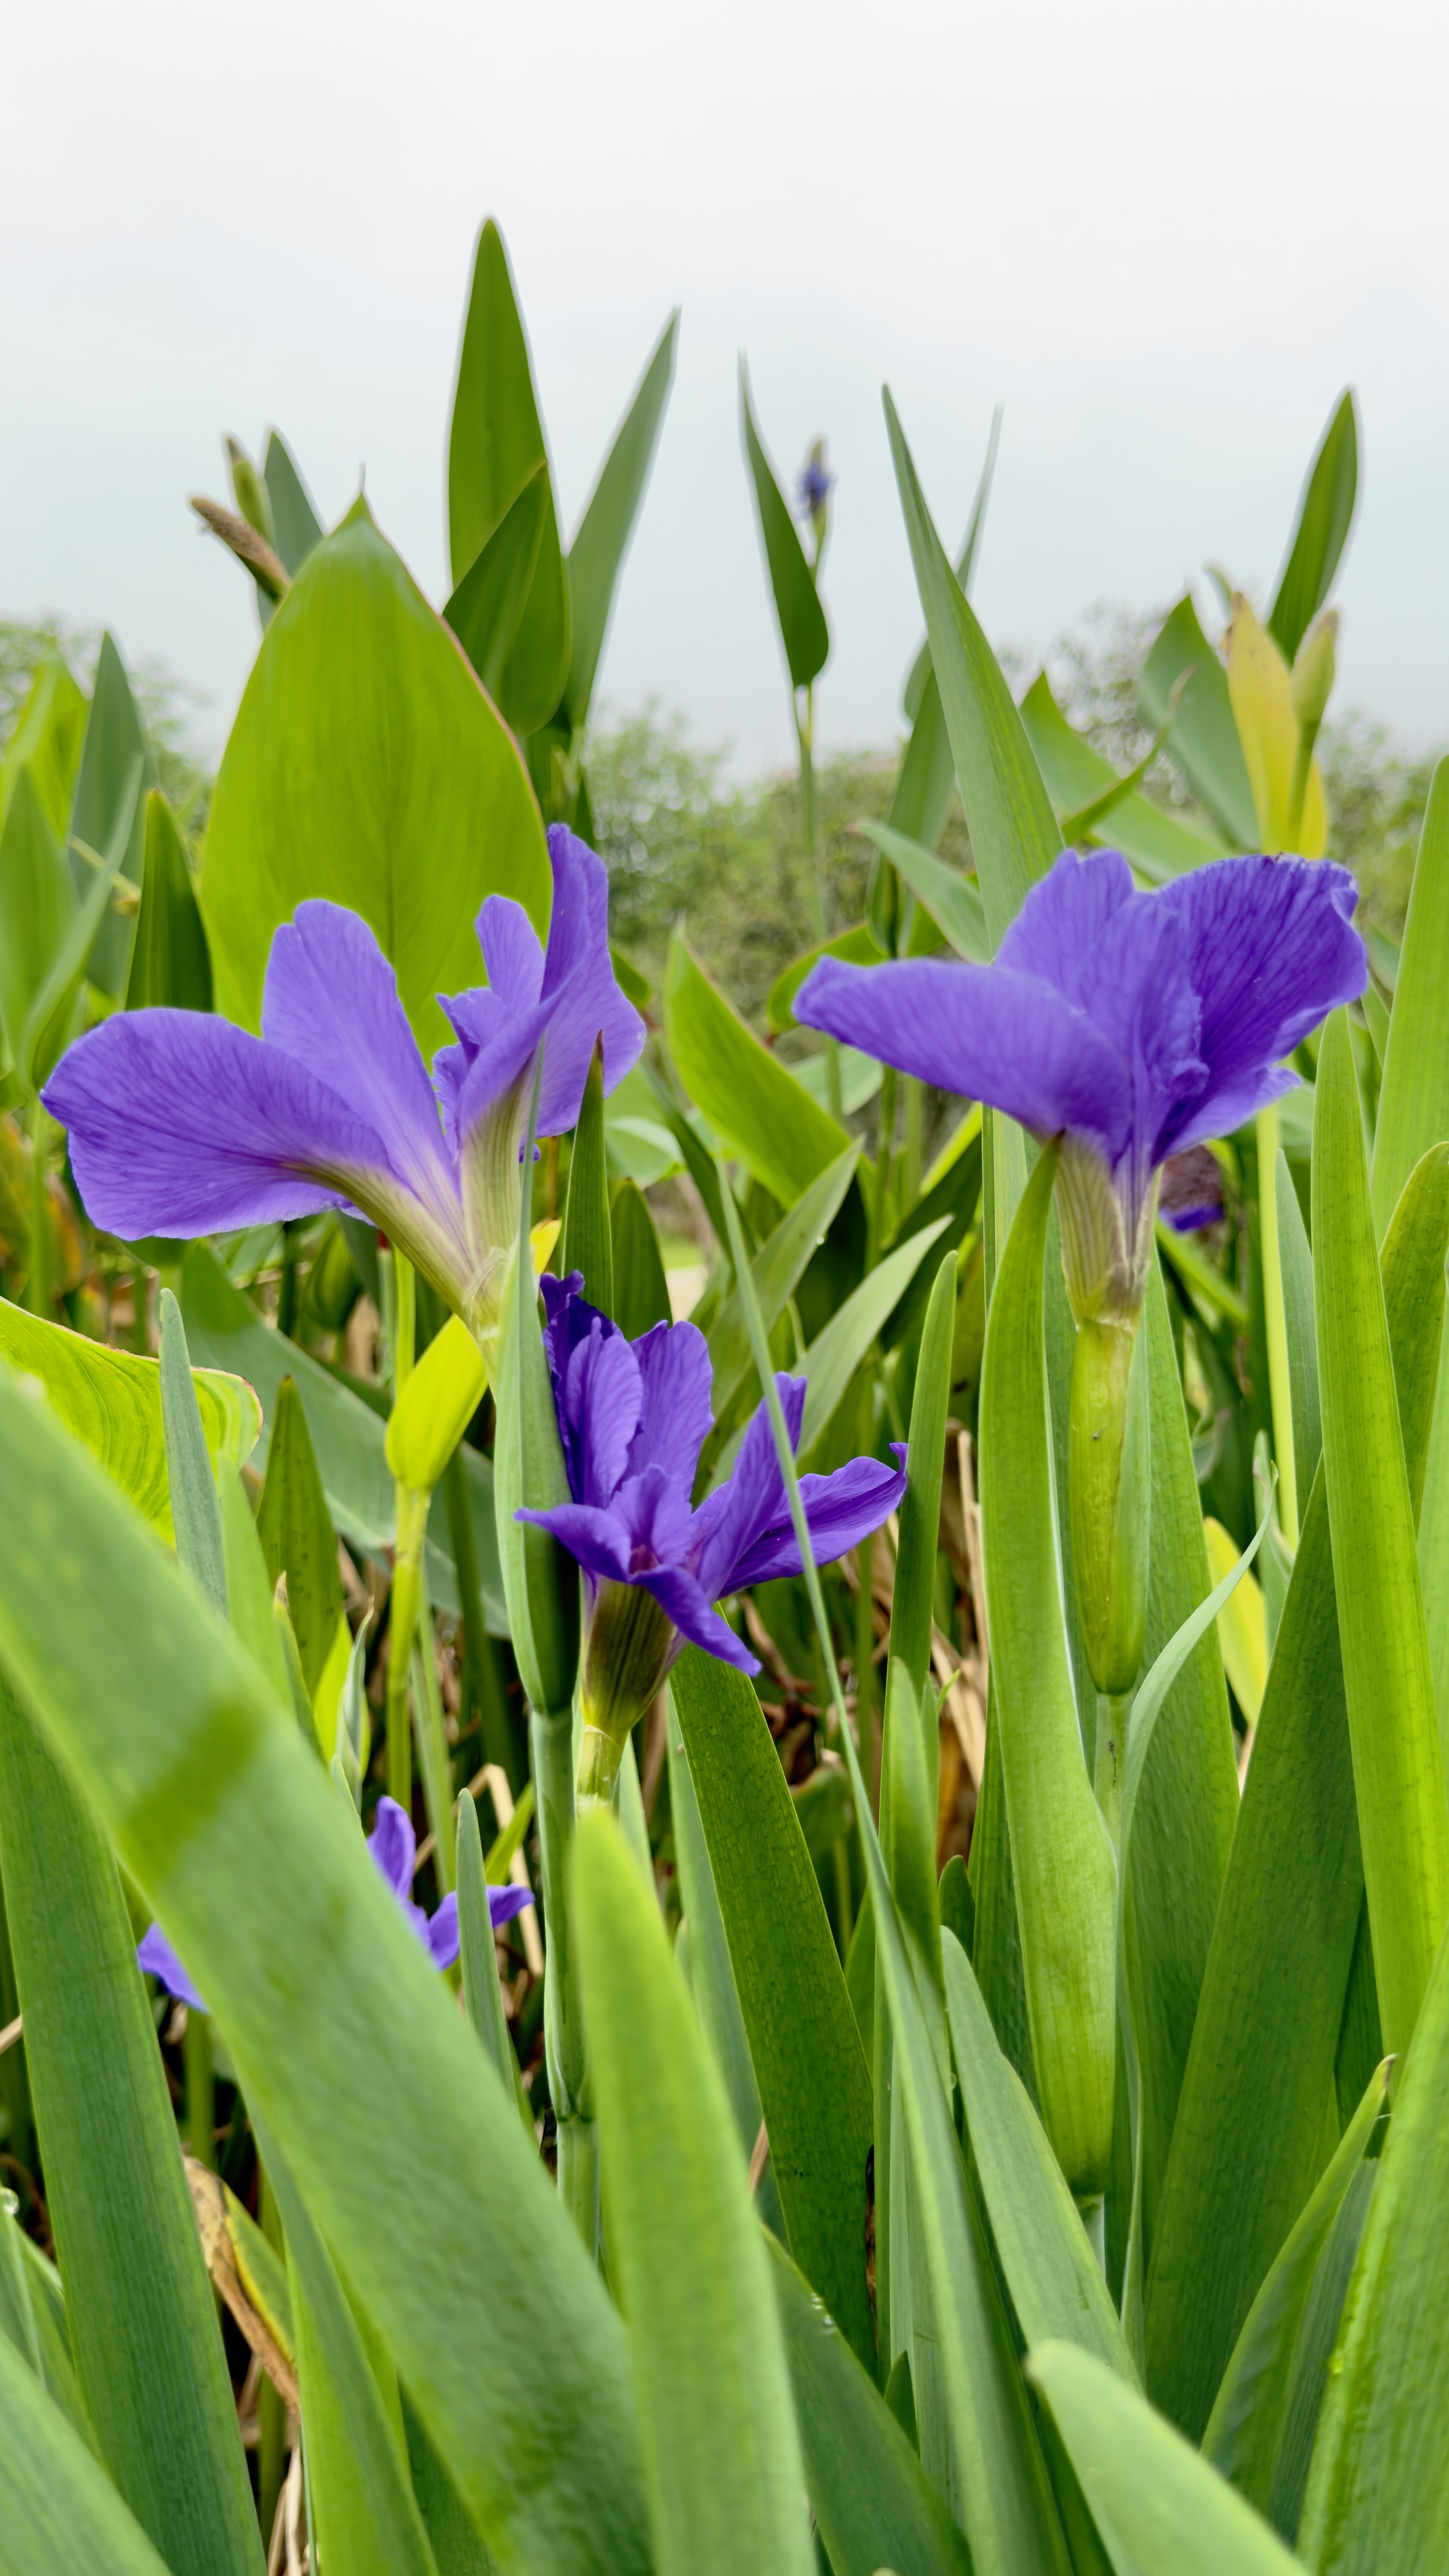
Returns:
point(729, 2002)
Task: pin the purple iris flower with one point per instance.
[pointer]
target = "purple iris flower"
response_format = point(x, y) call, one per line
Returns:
point(181, 1124)
point(632, 1418)
point(816, 483)
point(392, 1846)
point(1135, 1025)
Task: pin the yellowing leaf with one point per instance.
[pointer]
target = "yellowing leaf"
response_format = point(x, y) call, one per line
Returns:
point(111, 1400)
point(1259, 687)
point(445, 1390)
point(1242, 1623)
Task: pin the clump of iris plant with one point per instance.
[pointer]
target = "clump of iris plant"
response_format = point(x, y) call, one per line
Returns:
point(181, 1124)
point(1133, 1026)
point(392, 1847)
point(632, 1418)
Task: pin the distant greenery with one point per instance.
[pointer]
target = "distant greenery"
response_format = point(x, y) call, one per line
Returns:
point(168, 706)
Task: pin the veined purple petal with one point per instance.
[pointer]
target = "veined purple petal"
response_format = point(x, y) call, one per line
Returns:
point(596, 1540)
point(155, 1955)
point(180, 1124)
point(655, 1510)
point(442, 1932)
point(393, 1845)
point(990, 1035)
point(696, 1617)
point(1273, 951)
point(599, 1401)
point(840, 1510)
point(331, 1004)
point(731, 1518)
point(505, 1902)
point(583, 1000)
point(674, 1400)
point(1058, 926)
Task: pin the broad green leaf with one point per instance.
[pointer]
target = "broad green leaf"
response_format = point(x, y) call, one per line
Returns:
point(195, 1510)
point(596, 556)
point(858, 946)
point(588, 1243)
point(46, 739)
point(1159, 845)
point(1398, 1774)
point(641, 1291)
point(1160, 2509)
point(170, 962)
point(711, 1977)
point(1247, 2420)
point(777, 1269)
point(348, 1440)
point(1204, 738)
point(143, 2330)
point(998, 2481)
point(328, 2006)
point(435, 1407)
point(1378, 2492)
point(58, 2509)
point(297, 1536)
point(722, 2465)
point(1062, 1858)
point(803, 630)
point(871, 2498)
point(1014, 837)
point(495, 443)
point(1259, 692)
point(1053, 2276)
point(1413, 1111)
point(1296, 1258)
point(485, 610)
point(814, 2088)
point(952, 901)
point(107, 818)
point(756, 1108)
point(111, 1400)
point(1325, 515)
point(367, 766)
point(296, 528)
point(359, 2485)
point(1249, 2144)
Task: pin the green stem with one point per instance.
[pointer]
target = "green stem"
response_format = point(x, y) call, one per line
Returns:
point(200, 2089)
point(865, 1652)
point(911, 1167)
point(552, 1742)
point(804, 731)
point(272, 2412)
point(482, 1688)
point(1275, 1320)
point(38, 1284)
point(437, 1761)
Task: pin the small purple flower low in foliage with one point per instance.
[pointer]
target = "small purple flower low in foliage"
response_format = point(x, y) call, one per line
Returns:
point(1135, 1025)
point(632, 1418)
point(181, 1124)
point(392, 1846)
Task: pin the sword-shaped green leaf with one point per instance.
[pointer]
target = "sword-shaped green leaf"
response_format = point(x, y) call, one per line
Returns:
point(1398, 1775)
point(1413, 1111)
point(57, 2507)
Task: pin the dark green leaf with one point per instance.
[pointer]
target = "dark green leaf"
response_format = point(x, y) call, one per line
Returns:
point(913, 1604)
point(298, 1538)
point(107, 816)
point(1297, 1264)
point(170, 962)
point(487, 607)
point(803, 630)
point(814, 2088)
point(641, 1290)
point(195, 1511)
point(1325, 515)
point(57, 2508)
point(588, 1243)
point(143, 2329)
point(596, 556)
point(872, 2500)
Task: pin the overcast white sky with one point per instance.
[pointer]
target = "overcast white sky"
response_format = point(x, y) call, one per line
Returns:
point(1164, 237)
